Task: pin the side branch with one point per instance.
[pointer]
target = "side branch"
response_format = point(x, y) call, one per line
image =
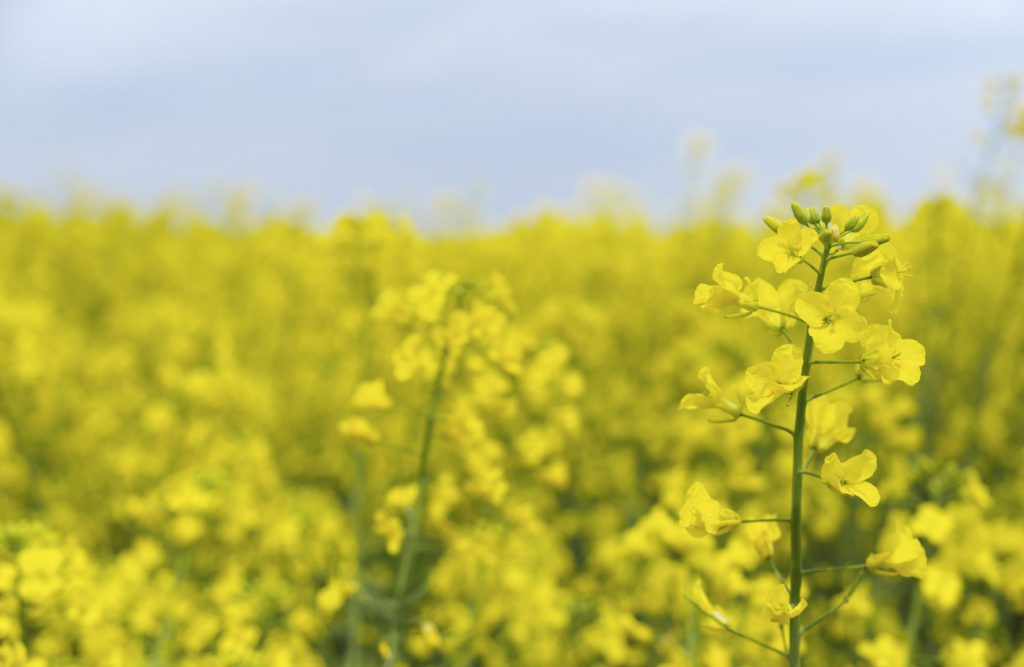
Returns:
point(733, 631)
point(781, 312)
point(767, 423)
point(855, 378)
point(846, 598)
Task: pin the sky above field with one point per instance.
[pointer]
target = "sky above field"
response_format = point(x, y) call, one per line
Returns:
point(342, 104)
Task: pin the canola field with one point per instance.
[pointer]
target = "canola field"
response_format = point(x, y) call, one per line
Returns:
point(576, 441)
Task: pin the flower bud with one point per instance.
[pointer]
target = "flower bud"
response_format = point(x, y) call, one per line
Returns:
point(773, 223)
point(864, 249)
point(826, 215)
point(813, 215)
point(855, 223)
point(800, 213)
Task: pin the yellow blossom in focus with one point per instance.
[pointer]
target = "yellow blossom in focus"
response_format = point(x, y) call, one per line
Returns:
point(780, 610)
point(832, 316)
point(713, 398)
point(729, 296)
point(888, 357)
point(769, 380)
point(883, 268)
point(905, 558)
point(850, 477)
point(788, 246)
point(703, 515)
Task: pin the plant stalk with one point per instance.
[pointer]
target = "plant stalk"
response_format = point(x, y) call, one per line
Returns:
point(796, 495)
point(409, 545)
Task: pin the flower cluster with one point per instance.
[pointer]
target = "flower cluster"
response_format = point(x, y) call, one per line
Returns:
point(828, 311)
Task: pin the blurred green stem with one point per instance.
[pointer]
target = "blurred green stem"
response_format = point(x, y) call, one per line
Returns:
point(409, 545)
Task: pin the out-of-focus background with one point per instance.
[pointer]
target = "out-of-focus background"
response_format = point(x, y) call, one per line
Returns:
point(459, 109)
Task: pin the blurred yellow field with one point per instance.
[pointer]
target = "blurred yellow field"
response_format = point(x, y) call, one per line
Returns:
point(358, 446)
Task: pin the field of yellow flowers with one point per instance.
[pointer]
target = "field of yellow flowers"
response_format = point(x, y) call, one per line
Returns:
point(227, 446)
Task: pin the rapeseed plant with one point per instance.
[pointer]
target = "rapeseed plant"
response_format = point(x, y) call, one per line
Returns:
point(829, 313)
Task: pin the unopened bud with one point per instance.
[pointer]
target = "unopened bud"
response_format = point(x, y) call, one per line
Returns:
point(814, 216)
point(864, 249)
point(800, 213)
point(773, 223)
point(826, 215)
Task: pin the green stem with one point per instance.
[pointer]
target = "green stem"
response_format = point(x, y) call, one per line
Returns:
point(780, 312)
point(765, 520)
point(353, 651)
point(834, 568)
point(766, 423)
point(846, 598)
point(733, 631)
point(809, 473)
point(855, 378)
point(797, 490)
point(834, 361)
point(406, 560)
point(778, 573)
point(810, 265)
point(914, 623)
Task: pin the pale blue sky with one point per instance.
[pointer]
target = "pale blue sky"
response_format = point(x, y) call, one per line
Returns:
point(339, 104)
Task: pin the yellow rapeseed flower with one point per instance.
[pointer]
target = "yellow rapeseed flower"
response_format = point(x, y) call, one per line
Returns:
point(780, 610)
point(905, 558)
point(788, 246)
point(730, 295)
point(763, 535)
point(713, 398)
point(850, 477)
point(700, 598)
point(371, 395)
point(703, 515)
point(832, 316)
point(358, 429)
point(769, 380)
point(780, 299)
point(888, 357)
point(828, 424)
